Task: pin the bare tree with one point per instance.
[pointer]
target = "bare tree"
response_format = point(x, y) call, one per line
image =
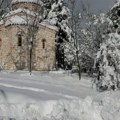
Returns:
point(76, 45)
point(88, 30)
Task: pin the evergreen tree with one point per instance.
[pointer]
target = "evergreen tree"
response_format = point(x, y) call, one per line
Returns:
point(47, 7)
point(114, 15)
point(108, 57)
point(108, 62)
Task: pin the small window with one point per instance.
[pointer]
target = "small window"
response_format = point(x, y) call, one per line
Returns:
point(43, 43)
point(19, 40)
point(0, 42)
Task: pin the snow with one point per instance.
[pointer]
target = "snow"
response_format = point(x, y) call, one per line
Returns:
point(13, 18)
point(41, 95)
point(108, 59)
point(1, 22)
point(52, 84)
point(54, 96)
point(28, 1)
point(28, 12)
point(102, 18)
point(19, 20)
point(49, 24)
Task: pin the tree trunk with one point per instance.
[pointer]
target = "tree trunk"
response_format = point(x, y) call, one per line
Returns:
point(79, 72)
point(79, 67)
point(30, 67)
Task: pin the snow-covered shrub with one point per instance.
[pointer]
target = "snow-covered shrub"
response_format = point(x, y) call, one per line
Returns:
point(108, 63)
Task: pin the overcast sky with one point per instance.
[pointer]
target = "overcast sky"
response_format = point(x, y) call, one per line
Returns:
point(100, 5)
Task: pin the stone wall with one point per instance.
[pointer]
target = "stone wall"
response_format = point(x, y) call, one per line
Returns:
point(14, 57)
point(45, 57)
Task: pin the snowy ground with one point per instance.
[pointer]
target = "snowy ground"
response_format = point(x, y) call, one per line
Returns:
point(45, 86)
point(54, 96)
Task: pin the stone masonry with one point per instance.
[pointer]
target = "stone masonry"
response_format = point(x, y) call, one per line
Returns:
point(14, 56)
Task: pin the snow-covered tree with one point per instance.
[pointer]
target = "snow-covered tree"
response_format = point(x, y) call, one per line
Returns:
point(47, 7)
point(59, 16)
point(114, 15)
point(108, 62)
point(87, 30)
point(108, 57)
point(95, 27)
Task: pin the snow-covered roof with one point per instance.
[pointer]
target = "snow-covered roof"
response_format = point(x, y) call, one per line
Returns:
point(47, 24)
point(28, 1)
point(24, 20)
point(19, 20)
point(28, 12)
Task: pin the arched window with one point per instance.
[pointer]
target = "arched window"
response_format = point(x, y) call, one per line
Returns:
point(19, 40)
point(43, 43)
point(0, 42)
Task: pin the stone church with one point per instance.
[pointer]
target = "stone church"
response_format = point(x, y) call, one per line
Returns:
point(19, 29)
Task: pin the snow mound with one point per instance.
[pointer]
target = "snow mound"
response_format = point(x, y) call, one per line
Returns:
point(111, 105)
point(106, 106)
point(53, 110)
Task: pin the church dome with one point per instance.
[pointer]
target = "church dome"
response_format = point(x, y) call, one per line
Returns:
point(27, 1)
point(32, 5)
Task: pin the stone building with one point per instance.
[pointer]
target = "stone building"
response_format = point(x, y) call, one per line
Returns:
point(22, 29)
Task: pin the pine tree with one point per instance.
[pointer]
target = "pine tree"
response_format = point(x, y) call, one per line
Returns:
point(46, 7)
point(108, 57)
point(108, 63)
point(114, 15)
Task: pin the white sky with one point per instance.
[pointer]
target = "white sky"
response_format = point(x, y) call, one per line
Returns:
point(99, 5)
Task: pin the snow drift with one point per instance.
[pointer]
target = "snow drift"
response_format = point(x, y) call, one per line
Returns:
point(106, 106)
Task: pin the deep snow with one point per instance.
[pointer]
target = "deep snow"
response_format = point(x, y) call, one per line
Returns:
point(46, 85)
point(54, 96)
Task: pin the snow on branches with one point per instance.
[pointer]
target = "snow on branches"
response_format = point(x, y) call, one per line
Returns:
point(59, 15)
point(108, 62)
